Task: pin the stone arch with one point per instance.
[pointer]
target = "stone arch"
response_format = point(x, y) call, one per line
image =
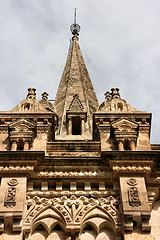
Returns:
point(39, 232)
point(105, 234)
point(101, 226)
point(52, 225)
point(49, 212)
point(57, 233)
point(50, 218)
point(42, 234)
point(40, 225)
point(97, 211)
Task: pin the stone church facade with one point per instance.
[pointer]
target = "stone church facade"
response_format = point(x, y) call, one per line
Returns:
point(78, 170)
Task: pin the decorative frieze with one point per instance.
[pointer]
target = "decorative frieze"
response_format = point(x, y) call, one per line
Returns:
point(63, 173)
point(73, 208)
point(131, 167)
point(16, 167)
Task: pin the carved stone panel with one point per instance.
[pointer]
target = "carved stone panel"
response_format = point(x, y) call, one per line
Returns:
point(12, 195)
point(134, 195)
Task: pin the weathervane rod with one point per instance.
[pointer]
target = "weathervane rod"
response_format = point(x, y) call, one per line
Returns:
point(75, 28)
point(75, 16)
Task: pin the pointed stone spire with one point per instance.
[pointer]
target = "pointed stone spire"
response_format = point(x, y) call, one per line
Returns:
point(75, 80)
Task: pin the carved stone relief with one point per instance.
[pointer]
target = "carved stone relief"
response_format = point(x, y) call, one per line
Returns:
point(10, 196)
point(71, 173)
point(73, 209)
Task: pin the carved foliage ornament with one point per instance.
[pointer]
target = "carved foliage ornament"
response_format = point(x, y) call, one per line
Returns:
point(72, 209)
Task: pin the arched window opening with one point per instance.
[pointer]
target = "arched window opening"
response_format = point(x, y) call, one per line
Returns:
point(26, 106)
point(76, 126)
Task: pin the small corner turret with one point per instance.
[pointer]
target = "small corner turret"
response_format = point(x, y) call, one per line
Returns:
point(120, 126)
point(29, 125)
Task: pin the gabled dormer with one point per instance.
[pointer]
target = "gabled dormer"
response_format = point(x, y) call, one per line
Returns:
point(21, 134)
point(76, 117)
point(125, 133)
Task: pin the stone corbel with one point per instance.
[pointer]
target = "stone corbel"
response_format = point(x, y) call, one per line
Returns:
point(130, 167)
point(12, 203)
point(135, 205)
point(134, 199)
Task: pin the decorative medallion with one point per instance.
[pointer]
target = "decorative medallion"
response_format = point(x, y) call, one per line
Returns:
point(13, 182)
point(132, 182)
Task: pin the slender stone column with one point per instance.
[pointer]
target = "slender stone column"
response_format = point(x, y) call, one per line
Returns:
point(82, 126)
point(26, 146)
point(120, 145)
point(14, 146)
point(132, 145)
point(70, 126)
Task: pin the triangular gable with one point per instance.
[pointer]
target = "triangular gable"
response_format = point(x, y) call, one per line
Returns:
point(76, 105)
point(22, 125)
point(124, 124)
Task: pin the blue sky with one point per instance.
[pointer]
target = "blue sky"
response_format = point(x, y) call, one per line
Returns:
point(119, 39)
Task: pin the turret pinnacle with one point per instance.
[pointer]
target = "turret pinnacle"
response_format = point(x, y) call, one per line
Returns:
point(75, 82)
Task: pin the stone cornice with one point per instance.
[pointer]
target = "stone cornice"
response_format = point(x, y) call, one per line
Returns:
point(72, 172)
point(131, 167)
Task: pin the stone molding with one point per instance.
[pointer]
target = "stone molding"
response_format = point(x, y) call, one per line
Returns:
point(123, 167)
point(17, 167)
point(60, 172)
point(51, 194)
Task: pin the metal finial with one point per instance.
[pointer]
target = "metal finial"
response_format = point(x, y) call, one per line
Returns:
point(75, 28)
point(75, 16)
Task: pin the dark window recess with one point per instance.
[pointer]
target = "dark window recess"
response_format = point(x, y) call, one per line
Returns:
point(27, 106)
point(20, 146)
point(76, 126)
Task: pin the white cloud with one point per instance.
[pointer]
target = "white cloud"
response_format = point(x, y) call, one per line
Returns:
point(119, 40)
